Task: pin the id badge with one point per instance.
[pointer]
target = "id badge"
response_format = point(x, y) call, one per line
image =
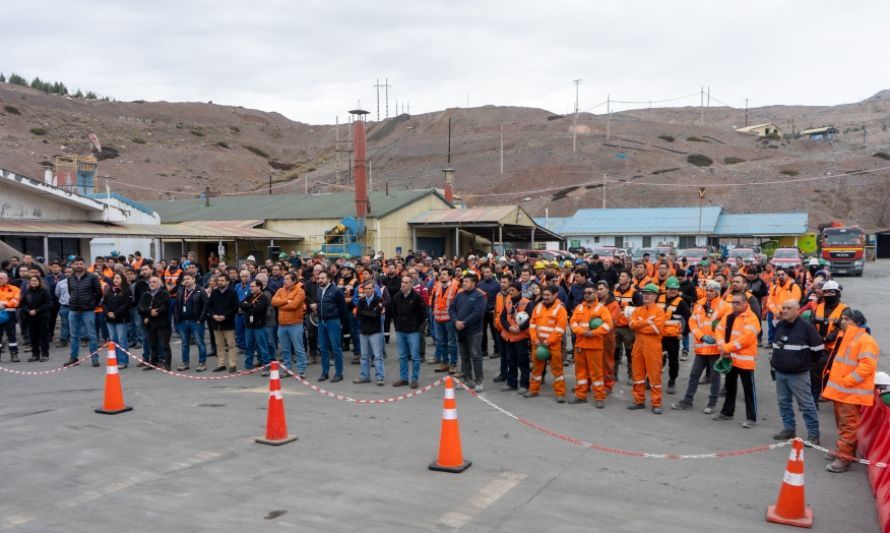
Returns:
point(183, 309)
point(251, 319)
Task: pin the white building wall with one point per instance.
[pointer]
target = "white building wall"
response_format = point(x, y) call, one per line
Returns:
point(125, 246)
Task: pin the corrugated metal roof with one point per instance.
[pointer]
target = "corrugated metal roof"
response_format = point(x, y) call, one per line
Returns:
point(762, 224)
point(130, 202)
point(634, 221)
point(823, 129)
point(479, 215)
point(215, 230)
point(748, 129)
point(283, 206)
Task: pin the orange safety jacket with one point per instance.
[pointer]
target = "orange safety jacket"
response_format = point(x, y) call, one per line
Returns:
point(648, 320)
point(506, 334)
point(104, 287)
point(778, 294)
point(828, 325)
point(171, 277)
point(728, 296)
point(742, 344)
point(703, 323)
point(581, 317)
point(498, 307)
point(673, 325)
point(852, 377)
point(640, 283)
point(548, 324)
point(10, 294)
point(442, 300)
point(624, 299)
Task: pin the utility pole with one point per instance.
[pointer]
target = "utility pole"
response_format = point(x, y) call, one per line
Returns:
point(575, 120)
point(337, 149)
point(702, 106)
point(701, 200)
point(206, 196)
point(270, 184)
point(502, 148)
point(604, 190)
point(608, 114)
point(377, 86)
point(709, 97)
point(746, 116)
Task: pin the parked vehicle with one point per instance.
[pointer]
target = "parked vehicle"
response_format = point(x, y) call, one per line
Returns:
point(744, 253)
point(844, 249)
point(693, 255)
point(638, 254)
point(786, 258)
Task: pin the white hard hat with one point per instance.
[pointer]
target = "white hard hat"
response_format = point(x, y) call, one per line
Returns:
point(813, 262)
point(521, 317)
point(882, 378)
point(628, 311)
point(251, 258)
point(831, 285)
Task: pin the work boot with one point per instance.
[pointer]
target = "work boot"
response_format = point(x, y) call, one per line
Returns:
point(656, 410)
point(709, 409)
point(498, 379)
point(529, 394)
point(560, 399)
point(636, 406)
point(14, 358)
point(442, 368)
point(813, 440)
point(576, 400)
point(671, 385)
point(785, 434)
point(838, 466)
point(685, 355)
point(681, 406)
point(721, 416)
point(452, 369)
point(600, 404)
point(33, 359)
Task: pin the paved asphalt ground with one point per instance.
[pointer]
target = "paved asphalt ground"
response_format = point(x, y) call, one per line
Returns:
point(184, 459)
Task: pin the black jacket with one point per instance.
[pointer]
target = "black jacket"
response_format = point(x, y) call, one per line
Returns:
point(408, 312)
point(161, 302)
point(118, 303)
point(194, 308)
point(796, 346)
point(758, 288)
point(254, 308)
point(223, 303)
point(331, 303)
point(368, 315)
point(36, 300)
point(85, 292)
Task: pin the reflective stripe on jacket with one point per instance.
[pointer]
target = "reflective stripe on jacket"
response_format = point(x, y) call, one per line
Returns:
point(852, 377)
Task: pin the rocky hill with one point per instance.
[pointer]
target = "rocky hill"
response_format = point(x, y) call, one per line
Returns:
point(162, 150)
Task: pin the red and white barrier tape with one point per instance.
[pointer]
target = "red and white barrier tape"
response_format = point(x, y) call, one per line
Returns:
point(344, 398)
point(627, 453)
point(845, 457)
point(189, 376)
point(45, 372)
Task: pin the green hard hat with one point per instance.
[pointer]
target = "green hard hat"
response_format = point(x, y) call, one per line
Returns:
point(282, 255)
point(542, 353)
point(595, 322)
point(651, 287)
point(806, 315)
point(885, 397)
point(723, 365)
point(672, 283)
point(704, 263)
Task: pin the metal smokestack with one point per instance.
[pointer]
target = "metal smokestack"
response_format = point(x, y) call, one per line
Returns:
point(360, 149)
point(449, 172)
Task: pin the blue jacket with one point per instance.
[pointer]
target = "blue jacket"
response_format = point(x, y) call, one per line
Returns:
point(491, 288)
point(331, 303)
point(576, 295)
point(469, 308)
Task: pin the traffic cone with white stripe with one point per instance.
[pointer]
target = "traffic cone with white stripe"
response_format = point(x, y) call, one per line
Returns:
point(791, 508)
point(276, 425)
point(450, 456)
point(114, 395)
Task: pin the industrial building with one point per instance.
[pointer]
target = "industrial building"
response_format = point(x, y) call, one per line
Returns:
point(684, 227)
point(762, 130)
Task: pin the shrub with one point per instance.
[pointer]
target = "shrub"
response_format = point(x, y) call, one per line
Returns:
point(694, 139)
point(222, 144)
point(699, 160)
point(789, 172)
point(733, 160)
point(196, 132)
point(38, 131)
point(882, 155)
point(11, 110)
point(235, 129)
point(667, 138)
point(138, 140)
point(664, 170)
point(256, 151)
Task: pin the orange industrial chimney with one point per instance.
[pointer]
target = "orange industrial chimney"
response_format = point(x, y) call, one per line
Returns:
point(360, 149)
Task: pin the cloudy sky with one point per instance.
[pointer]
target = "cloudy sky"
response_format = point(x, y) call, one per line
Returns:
point(314, 60)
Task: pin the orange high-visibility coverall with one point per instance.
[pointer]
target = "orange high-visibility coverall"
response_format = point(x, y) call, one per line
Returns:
point(589, 350)
point(647, 322)
point(547, 326)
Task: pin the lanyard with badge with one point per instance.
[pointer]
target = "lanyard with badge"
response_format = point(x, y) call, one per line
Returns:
point(185, 299)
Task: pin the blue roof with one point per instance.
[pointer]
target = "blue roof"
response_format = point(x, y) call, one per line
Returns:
point(633, 221)
point(762, 224)
point(132, 203)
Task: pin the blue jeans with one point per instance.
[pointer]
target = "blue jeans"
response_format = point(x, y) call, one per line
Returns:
point(329, 346)
point(409, 347)
point(372, 345)
point(136, 331)
point(119, 336)
point(290, 338)
point(64, 331)
point(186, 329)
point(146, 346)
point(272, 335)
point(446, 343)
point(771, 329)
point(352, 324)
point(239, 331)
point(83, 323)
point(797, 386)
point(101, 327)
point(257, 341)
point(686, 342)
point(432, 324)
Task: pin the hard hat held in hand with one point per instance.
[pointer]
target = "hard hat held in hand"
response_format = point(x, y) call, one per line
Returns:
point(542, 353)
point(595, 322)
point(628, 311)
point(521, 318)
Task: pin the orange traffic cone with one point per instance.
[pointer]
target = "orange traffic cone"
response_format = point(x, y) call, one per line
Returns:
point(276, 425)
point(114, 395)
point(790, 507)
point(450, 457)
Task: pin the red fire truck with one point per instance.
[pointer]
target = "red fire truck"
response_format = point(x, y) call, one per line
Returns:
point(844, 249)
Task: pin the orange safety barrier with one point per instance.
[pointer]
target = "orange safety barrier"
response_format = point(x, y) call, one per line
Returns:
point(874, 445)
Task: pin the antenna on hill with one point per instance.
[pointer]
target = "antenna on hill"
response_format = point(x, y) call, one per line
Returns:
point(378, 86)
point(575, 121)
point(746, 116)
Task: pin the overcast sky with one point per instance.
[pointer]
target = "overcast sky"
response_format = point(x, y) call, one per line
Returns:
point(313, 60)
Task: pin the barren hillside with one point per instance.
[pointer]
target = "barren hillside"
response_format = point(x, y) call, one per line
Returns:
point(160, 149)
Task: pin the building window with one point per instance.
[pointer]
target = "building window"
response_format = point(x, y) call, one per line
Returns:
point(687, 241)
point(647, 242)
point(596, 240)
point(619, 242)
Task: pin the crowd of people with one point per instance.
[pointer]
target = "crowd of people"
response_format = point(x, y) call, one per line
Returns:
point(535, 316)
